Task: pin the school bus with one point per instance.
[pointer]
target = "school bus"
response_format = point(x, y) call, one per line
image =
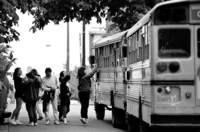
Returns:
point(149, 75)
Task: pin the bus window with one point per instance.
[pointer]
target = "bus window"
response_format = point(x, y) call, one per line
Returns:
point(174, 43)
point(124, 51)
point(198, 42)
point(172, 14)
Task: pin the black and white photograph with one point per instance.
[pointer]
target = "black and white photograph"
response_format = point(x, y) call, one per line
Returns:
point(99, 65)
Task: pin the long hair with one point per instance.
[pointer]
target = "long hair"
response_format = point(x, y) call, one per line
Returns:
point(16, 71)
point(81, 72)
point(62, 75)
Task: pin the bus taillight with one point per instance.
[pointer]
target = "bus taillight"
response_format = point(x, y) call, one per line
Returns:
point(161, 67)
point(174, 67)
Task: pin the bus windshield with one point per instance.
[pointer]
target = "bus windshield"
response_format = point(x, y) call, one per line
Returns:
point(174, 43)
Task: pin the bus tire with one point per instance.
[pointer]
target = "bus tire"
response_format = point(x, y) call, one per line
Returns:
point(118, 118)
point(114, 117)
point(133, 124)
point(100, 111)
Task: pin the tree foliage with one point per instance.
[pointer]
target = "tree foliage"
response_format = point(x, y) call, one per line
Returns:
point(124, 13)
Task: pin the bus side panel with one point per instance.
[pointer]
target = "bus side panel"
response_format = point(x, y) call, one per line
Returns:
point(103, 93)
point(119, 92)
point(140, 86)
point(146, 92)
point(104, 86)
point(134, 88)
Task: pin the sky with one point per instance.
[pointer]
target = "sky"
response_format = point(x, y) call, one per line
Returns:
point(47, 47)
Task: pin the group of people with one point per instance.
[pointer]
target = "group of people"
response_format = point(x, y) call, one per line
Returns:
point(33, 89)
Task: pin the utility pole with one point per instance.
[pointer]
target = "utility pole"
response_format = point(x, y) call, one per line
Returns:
point(67, 61)
point(83, 45)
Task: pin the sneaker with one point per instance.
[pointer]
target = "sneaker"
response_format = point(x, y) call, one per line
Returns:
point(31, 124)
point(18, 122)
point(61, 120)
point(56, 122)
point(35, 124)
point(86, 120)
point(47, 122)
point(83, 120)
point(13, 122)
point(40, 118)
point(65, 121)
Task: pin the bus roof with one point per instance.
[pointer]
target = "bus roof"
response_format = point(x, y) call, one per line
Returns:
point(110, 39)
point(146, 17)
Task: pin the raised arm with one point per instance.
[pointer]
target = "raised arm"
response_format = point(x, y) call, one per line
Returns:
point(89, 75)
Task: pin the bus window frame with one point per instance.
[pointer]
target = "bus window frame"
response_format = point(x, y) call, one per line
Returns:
point(174, 27)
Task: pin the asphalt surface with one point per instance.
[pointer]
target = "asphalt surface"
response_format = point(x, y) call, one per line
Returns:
point(74, 125)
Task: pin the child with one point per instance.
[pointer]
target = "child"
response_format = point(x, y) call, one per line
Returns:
point(62, 75)
point(65, 97)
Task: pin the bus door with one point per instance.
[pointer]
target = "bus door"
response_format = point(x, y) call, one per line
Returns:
point(197, 62)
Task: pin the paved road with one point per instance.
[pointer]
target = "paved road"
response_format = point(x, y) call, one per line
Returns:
point(74, 126)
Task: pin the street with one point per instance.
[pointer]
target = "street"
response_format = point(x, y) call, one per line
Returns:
point(74, 125)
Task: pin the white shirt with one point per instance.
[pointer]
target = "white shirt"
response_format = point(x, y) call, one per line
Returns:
point(50, 82)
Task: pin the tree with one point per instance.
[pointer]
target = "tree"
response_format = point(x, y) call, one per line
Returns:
point(127, 15)
point(124, 13)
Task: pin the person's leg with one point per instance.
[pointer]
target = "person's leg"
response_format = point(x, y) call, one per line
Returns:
point(30, 113)
point(34, 112)
point(15, 114)
point(64, 114)
point(44, 106)
point(81, 98)
point(55, 110)
point(38, 110)
point(84, 100)
point(86, 104)
point(46, 112)
point(68, 107)
point(60, 110)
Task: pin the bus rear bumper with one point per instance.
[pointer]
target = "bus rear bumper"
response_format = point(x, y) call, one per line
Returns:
point(175, 120)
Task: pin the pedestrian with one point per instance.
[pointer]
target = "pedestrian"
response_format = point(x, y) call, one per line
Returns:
point(18, 84)
point(65, 95)
point(31, 91)
point(62, 75)
point(84, 90)
point(40, 94)
point(50, 87)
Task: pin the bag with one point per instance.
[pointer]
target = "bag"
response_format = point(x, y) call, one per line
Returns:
point(46, 96)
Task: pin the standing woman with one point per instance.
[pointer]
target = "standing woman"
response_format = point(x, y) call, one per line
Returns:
point(84, 89)
point(31, 92)
point(18, 83)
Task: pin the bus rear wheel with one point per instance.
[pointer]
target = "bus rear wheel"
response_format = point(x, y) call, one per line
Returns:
point(118, 118)
point(100, 111)
point(133, 124)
